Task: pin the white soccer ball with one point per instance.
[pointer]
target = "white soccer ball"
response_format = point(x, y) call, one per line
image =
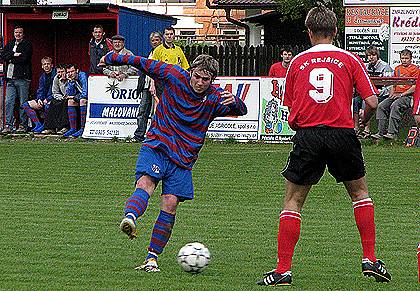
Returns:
point(194, 257)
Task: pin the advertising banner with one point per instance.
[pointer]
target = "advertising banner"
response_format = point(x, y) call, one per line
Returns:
point(405, 33)
point(366, 26)
point(274, 116)
point(112, 108)
point(380, 2)
point(240, 128)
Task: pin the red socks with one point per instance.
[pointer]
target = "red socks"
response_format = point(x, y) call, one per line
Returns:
point(288, 236)
point(364, 216)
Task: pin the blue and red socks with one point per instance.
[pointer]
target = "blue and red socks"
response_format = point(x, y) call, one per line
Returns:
point(365, 221)
point(288, 236)
point(83, 109)
point(136, 205)
point(30, 113)
point(72, 113)
point(160, 234)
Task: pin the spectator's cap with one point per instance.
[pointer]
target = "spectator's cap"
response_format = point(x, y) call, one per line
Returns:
point(118, 37)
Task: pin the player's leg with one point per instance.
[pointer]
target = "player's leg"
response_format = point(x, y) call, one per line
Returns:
point(398, 108)
point(83, 109)
point(29, 107)
point(72, 114)
point(382, 114)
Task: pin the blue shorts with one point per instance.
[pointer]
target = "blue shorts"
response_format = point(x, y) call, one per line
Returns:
point(175, 180)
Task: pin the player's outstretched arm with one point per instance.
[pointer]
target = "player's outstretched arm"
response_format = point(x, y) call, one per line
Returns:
point(235, 106)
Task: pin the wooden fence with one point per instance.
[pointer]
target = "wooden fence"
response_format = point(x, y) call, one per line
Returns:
point(241, 61)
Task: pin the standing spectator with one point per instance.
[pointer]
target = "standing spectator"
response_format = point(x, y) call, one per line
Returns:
point(146, 101)
point(319, 93)
point(376, 68)
point(279, 69)
point(169, 53)
point(18, 54)
point(119, 72)
point(43, 95)
point(77, 94)
point(56, 119)
point(189, 103)
point(391, 110)
point(98, 47)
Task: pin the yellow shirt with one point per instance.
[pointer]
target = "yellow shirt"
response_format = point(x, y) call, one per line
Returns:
point(169, 55)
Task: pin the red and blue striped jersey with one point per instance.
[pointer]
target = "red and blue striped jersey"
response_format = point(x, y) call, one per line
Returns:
point(182, 116)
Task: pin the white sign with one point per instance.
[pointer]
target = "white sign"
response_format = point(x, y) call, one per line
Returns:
point(380, 2)
point(112, 108)
point(60, 14)
point(240, 128)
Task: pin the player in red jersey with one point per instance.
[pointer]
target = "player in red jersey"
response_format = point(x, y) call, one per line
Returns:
point(279, 69)
point(318, 92)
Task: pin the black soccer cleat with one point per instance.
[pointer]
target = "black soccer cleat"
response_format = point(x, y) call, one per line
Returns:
point(275, 279)
point(376, 270)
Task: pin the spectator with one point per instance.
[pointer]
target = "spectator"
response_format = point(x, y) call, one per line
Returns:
point(43, 95)
point(416, 105)
point(391, 109)
point(77, 94)
point(56, 119)
point(279, 69)
point(169, 53)
point(120, 72)
point(376, 68)
point(98, 47)
point(18, 54)
point(146, 100)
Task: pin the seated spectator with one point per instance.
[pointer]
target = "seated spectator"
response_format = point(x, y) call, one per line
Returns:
point(391, 109)
point(279, 69)
point(77, 94)
point(120, 72)
point(56, 119)
point(43, 95)
point(376, 68)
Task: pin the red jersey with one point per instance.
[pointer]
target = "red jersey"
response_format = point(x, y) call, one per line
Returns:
point(319, 87)
point(416, 106)
point(277, 70)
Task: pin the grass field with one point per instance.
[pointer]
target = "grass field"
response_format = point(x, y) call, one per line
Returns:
point(61, 204)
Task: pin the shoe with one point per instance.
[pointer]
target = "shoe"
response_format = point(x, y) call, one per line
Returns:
point(48, 131)
point(21, 129)
point(376, 270)
point(390, 136)
point(78, 133)
point(149, 266)
point(62, 131)
point(6, 130)
point(275, 279)
point(69, 132)
point(128, 226)
point(38, 129)
point(377, 136)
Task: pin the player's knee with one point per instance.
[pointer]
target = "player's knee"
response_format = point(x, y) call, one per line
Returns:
point(169, 203)
point(146, 183)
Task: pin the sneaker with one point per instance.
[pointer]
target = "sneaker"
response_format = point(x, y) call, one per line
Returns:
point(38, 129)
point(78, 133)
point(128, 226)
point(48, 131)
point(69, 132)
point(6, 130)
point(149, 266)
point(376, 270)
point(62, 131)
point(21, 129)
point(377, 136)
point(275, 279)
point(390, 136)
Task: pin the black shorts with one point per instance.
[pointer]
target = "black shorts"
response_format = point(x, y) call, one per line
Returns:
point(317, 147)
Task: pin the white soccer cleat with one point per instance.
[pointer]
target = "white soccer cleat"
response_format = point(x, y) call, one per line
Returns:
point(149, 266)
point(128, 226)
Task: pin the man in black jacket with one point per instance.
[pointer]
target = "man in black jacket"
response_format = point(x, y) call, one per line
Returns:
point(17, 54)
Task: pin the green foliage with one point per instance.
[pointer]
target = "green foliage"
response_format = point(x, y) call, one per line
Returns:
point(61, 203)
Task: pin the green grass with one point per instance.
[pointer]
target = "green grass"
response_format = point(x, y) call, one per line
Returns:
point(61, 204)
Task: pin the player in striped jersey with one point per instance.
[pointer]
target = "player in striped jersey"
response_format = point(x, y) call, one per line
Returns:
point(318, 92)
point(187, 106)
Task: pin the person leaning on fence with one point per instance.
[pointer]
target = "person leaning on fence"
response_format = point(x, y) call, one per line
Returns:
point(77, 95)
point(391, 110)
point(143, 88)
point(119, 72)
point(376, 68)
point(57, 120)
point(43, 96)
point(98, 47)
point(279, 69)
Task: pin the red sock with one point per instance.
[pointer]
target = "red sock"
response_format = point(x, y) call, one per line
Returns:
point(288, 236)
point(364, 216)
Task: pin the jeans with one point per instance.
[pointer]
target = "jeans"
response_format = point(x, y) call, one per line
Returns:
point(16, 88)
point(145, 107)
point(390, 113)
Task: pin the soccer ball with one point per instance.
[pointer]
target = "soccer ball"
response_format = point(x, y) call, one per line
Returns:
point(194, 257)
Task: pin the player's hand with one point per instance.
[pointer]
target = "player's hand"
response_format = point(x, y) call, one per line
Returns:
point(113, 75)
point(228, 97)
point(121, 76)
point(102, 62)
point(395, 96)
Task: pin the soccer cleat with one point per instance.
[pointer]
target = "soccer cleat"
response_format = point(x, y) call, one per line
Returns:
point(149, 266)
point(21, 129)
point(390, 136)
point(69, 132)
point(38, 129)
point(275, 279)
point(128, 226)
point(376, 270)
point(78, 133)
point(7, 130)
